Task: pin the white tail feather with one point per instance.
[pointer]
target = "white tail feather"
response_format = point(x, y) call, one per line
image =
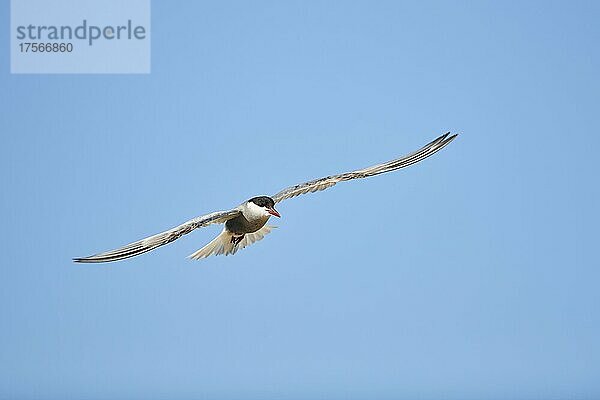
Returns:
point(222, 244)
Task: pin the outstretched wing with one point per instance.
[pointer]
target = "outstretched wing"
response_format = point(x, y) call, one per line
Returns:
point(328, 181)
point(160, 239)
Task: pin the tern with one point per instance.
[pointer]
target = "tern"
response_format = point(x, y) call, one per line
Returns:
point(246, 223)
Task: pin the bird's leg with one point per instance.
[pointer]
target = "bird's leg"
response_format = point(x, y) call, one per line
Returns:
point(236, 239)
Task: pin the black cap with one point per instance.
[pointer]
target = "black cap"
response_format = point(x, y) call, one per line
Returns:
point(263, 201)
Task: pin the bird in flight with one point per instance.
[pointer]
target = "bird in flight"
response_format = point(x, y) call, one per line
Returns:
point(246, 223)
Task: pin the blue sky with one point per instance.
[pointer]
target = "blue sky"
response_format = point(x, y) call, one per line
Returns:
point(473, 274)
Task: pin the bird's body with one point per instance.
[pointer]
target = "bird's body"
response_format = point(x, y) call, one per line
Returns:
point(246, 223)
point(242, 230)
point(252, 217)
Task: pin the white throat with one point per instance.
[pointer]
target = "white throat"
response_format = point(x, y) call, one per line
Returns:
point(253, 212)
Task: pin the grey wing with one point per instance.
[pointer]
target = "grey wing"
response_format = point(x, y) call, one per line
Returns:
point(404, 161)
point(160, 239)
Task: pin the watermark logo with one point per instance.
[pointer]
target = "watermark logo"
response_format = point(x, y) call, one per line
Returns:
point(80, 36)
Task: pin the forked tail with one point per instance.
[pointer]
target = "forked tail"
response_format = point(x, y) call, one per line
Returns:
point(223, 244)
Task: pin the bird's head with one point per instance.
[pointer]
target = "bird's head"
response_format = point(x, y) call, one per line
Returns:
point(265, 204)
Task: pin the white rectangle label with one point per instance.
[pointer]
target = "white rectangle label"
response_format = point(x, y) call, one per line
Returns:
point(80, 36)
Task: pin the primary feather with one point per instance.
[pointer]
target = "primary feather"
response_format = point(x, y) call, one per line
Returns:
point(160, 239)
point(328, 181)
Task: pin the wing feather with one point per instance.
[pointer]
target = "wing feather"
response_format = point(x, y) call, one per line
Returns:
point(160, 239)
point(328, 181)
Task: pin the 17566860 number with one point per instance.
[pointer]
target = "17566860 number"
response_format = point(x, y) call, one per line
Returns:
point(46, 47)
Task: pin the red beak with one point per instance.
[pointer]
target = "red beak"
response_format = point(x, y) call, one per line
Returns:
point(274, 212)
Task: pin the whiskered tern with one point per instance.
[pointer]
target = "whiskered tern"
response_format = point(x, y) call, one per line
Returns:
point(246, 223)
